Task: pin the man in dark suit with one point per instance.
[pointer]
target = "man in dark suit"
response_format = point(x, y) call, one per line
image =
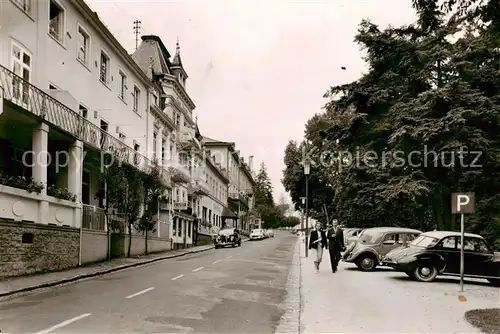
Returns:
point(336, 244)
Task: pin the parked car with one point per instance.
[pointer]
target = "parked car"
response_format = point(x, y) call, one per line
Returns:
point(351, 235)
point(270, 233)
point(257, 234)
point(438, 253)
point(227, 237)
point(375, 243)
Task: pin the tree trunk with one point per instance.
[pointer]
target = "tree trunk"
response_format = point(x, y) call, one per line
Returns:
point(129, 239)
point(146, 242)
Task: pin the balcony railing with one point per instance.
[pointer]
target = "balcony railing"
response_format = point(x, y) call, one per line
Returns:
point(34, 100)
point(93, 218)
point(238, 197)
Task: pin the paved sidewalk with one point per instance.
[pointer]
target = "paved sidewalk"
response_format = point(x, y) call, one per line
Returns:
point(16, 285)
point(385, 301)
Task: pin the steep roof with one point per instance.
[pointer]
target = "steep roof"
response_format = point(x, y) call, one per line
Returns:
point(152, 53)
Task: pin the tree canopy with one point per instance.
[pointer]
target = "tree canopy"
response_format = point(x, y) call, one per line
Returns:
point(421, 123)
point(271, 214)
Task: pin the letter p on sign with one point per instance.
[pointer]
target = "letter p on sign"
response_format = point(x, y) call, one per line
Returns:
point(463, 203)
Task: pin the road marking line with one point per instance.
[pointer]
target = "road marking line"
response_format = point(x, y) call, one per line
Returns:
point(140, 292)
point(216, 261)
point(229, 257)
point(197, 269)
point(177, 277)
point(64, 323)
point(237, 254)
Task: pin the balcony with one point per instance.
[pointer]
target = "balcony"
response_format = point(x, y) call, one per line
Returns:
point(36, 102)
point(180, 205)
point(199, 187)
point(179, 172)
point(187, 139)
point(238, 198)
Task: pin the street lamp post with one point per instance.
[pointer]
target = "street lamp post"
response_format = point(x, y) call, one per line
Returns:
point(307, 169)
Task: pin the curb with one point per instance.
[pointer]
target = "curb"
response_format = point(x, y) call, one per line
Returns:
point(290, 320)
point(97, 273)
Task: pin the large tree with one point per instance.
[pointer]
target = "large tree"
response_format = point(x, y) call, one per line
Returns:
point(411, 125)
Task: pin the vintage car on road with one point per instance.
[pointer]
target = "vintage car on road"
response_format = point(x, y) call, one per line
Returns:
point(375, 243)
point(270, 233)
point(257, 234)
point(351, 235)
point(438, 253)
point(227, 237)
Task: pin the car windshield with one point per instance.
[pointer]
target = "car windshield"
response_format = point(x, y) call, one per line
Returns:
point(424, 241)
point(351, 232)
point(226, 231)
point(370, 237)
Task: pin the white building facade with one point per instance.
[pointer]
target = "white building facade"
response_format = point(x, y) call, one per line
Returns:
point(69, 92)
point(213, 205)
point(181, 152)
point(241, 181)
point(70, 89)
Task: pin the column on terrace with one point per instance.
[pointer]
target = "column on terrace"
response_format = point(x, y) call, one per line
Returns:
point(40, 161)
point(75, 171)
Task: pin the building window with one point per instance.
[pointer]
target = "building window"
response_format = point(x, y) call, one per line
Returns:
point(52, 87)
point(83, 111)
point(56, 21)
point(104, 73)
point(155, 136)
point(137, 147)
point(21, 66)
point(137, 97)
point(163, 149)
point(123, 85)
point(121, 136)
point(104, 130)
point(83, 45)
point(25, 5)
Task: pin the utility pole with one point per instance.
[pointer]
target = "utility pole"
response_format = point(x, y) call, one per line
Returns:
point(137, 29)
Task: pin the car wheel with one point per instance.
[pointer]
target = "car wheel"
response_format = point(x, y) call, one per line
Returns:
point(425, 272)
point(217, 247)
point(367, 262)
point(494, 281)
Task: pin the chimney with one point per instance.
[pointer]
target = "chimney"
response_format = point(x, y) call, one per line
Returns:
point(250, 163)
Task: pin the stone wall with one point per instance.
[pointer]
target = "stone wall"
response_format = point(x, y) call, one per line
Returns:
point(27, 248)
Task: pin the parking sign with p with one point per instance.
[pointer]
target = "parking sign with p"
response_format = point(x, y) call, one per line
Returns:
point(463, 203)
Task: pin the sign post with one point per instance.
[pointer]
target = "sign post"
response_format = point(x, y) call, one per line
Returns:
point(462, 203)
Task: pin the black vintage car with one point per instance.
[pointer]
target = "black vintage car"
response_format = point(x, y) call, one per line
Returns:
point(227, 237)
point(438, 253)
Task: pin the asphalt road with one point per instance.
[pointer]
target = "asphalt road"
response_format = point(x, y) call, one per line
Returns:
point(231, 290)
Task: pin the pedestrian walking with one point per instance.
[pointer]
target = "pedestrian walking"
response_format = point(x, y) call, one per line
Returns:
point(317, 241)
point(336, 244)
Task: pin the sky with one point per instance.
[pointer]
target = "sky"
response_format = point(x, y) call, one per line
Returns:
point(257, 69)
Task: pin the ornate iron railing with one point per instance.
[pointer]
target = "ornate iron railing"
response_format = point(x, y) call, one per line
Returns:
point(93, 218)
point(34, 100)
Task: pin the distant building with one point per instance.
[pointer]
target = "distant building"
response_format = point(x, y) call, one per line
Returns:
point(241, 180)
